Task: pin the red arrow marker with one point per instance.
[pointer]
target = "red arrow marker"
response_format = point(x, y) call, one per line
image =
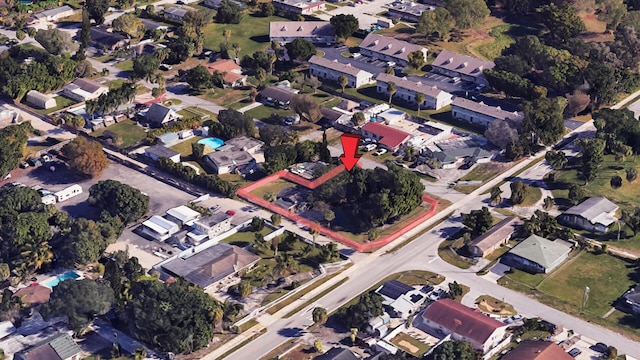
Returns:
point(350, 154)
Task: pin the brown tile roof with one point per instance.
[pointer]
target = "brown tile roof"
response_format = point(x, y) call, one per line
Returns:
point(461, 63)
point(496, 234)
point(34, 294)
point(462, 320)
point(537, 350)
point(300, 28)
point(233, 71)
point(482, 108)
point(276, 93)
point(390, 137)
point(389, 46)
point(430, 91)
point(335, 65)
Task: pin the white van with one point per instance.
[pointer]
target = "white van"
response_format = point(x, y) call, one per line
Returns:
point(355, 55)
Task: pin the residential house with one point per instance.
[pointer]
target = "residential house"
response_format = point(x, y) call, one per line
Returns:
point(537, 254)
point(400, 300)
point(537, 350)
point(450, 159)
point(594, 214)
point(244, 143)
point(183, 215)
point(156, 152)
point(58, 347)
point(632, 299)
point(210, 227)
point(499, 235)
point(82, 89)
point(232, 72)
point(338, 119)
point(317, 32)
point(302, 7)
point(7, 114)
point(52, 15)
point(159, 228)
point(327, 69)
point(337, 353)
point(215, 4)
point(407, 10)
point(379, 325)
point(40, 100)
point(225, 162)
point(105, 39)
point(449, 317)
point(277, 96)
point(389, 49)
point(465, 67)
point(153, 25)
point(479, 113)
point(175, 13)
point(207, 267)
point(406, 90)
point(386, 136)
point(158, 115)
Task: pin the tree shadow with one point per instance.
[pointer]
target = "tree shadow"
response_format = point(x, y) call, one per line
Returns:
point(291, 332)
point(260, 38)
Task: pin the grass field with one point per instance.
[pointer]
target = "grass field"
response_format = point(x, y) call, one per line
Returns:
point(502, 36)
point(244, 238)
point(446, 251)
point(273, 187)
point(184, 148)
point(264, 112)
point(252, 34)
point(61, 103)
point(533, 195)
point(227, 97)
point(130, 132)
point(606, 276)
point(126, 65)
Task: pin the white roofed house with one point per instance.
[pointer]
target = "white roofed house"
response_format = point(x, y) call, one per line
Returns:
point(331, 70)
point(304, 7)
point(156, 152)
point(593, 214)
point(409, 10)
point(480, 113)
point(210, 227)
point(465, 67)
point(84, 89)
point(159, 228)
point(389, 49)
point(52, 15)
point(406, 90)
point(40, 100)
point(183, 215)
point(312, 31)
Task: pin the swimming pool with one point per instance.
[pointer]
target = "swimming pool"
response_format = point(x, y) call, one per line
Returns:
point(56, 280)
point(212, 142)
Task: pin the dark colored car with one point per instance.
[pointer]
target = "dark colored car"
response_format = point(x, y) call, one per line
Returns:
point(575, 352)
point(600, 347)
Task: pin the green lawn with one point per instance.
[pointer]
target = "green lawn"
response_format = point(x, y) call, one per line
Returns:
point(607, 277)
point(244, 238)
point(184, 148)
point(273, 187)
point(482, 172)
point(116, 83)
point(533, 195)
point(264, 112)
point(126, 65)
point(129, 130)
point(227, 97)
point(61, 103)
point(252, 34)
point(194, 112)
point(447, 252)
point(503, 37)
point(417, 348)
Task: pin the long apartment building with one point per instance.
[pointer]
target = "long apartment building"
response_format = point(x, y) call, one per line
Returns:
point(303, 7)
point(312, 31)
point(332, 69)
point(465, 67)
point(479, 113)
point(406, 90)
point(389, 49)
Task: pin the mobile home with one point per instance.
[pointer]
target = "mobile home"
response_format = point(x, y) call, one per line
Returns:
point(68, 193)
point(49, 199)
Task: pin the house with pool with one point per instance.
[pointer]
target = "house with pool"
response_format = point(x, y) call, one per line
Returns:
point(238, 155)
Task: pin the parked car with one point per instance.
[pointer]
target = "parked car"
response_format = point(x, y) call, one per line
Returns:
point(600, 347)
point(369, 147)
point(35, 162)
point(391, 63)
point(230, 212)
point(165, 67)
point(46, 158)
point(455, 80)
point(355, 55)
point(214, 208)
point(24, 165)
point(380, 152)
point(575, 352)
point(481, 87)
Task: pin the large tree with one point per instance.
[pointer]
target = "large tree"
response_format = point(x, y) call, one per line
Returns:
point(199, 78)
point(80, 301)
point(435, 23)
point(306, 107)
point(235, 123)
point(129, 24)
point(13, 143)
point(478, 221)
point(229, 13)
point(145, 67)
point(85, 241)
point(86, 156)
point(300, 49)
point(543, 121)
point(416, 59)
point(454, 350)
point(119, 199)
point(358, 315)
point(562, 21)
point(467, 13)
point(501, 133)
point(55, 41)
point(592, 157)
point(97, 9)
point(344, 25)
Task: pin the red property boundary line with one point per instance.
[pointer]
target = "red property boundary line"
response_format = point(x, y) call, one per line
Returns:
point(245, 193)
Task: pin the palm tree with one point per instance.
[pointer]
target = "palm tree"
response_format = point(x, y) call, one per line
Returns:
point(319, 315)
point(227, 34)
point(140, 354)
point(391, 89)
point(313, 233)
point(91, 107)
point(496, 196)
point(236, 48)
point(162, 54)
point(419, 101)
point(36, 254)
point(272, 57)
point(343, 81)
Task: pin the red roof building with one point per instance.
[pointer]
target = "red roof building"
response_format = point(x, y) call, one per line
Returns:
point(233, 72)
point(387, 136)
point(537, 350)
point(463, 323)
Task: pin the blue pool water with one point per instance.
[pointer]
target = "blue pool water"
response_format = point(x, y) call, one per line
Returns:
point(212, 142)
point(66, 276)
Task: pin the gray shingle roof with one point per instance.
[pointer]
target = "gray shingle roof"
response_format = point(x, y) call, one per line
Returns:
point(300, 28)
point(337, 66)
point(540, 250)
point(394, 289)
point(389, 46)
point(161, 151)
point(53, 12)
point(430, 91)
point(157, 112)
point(592, 208)
point(482, 108)
point(64, 346)
point(337, 353)
point(87, 85)
point(176, 11)
point(497, 233)
point(461, 63)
